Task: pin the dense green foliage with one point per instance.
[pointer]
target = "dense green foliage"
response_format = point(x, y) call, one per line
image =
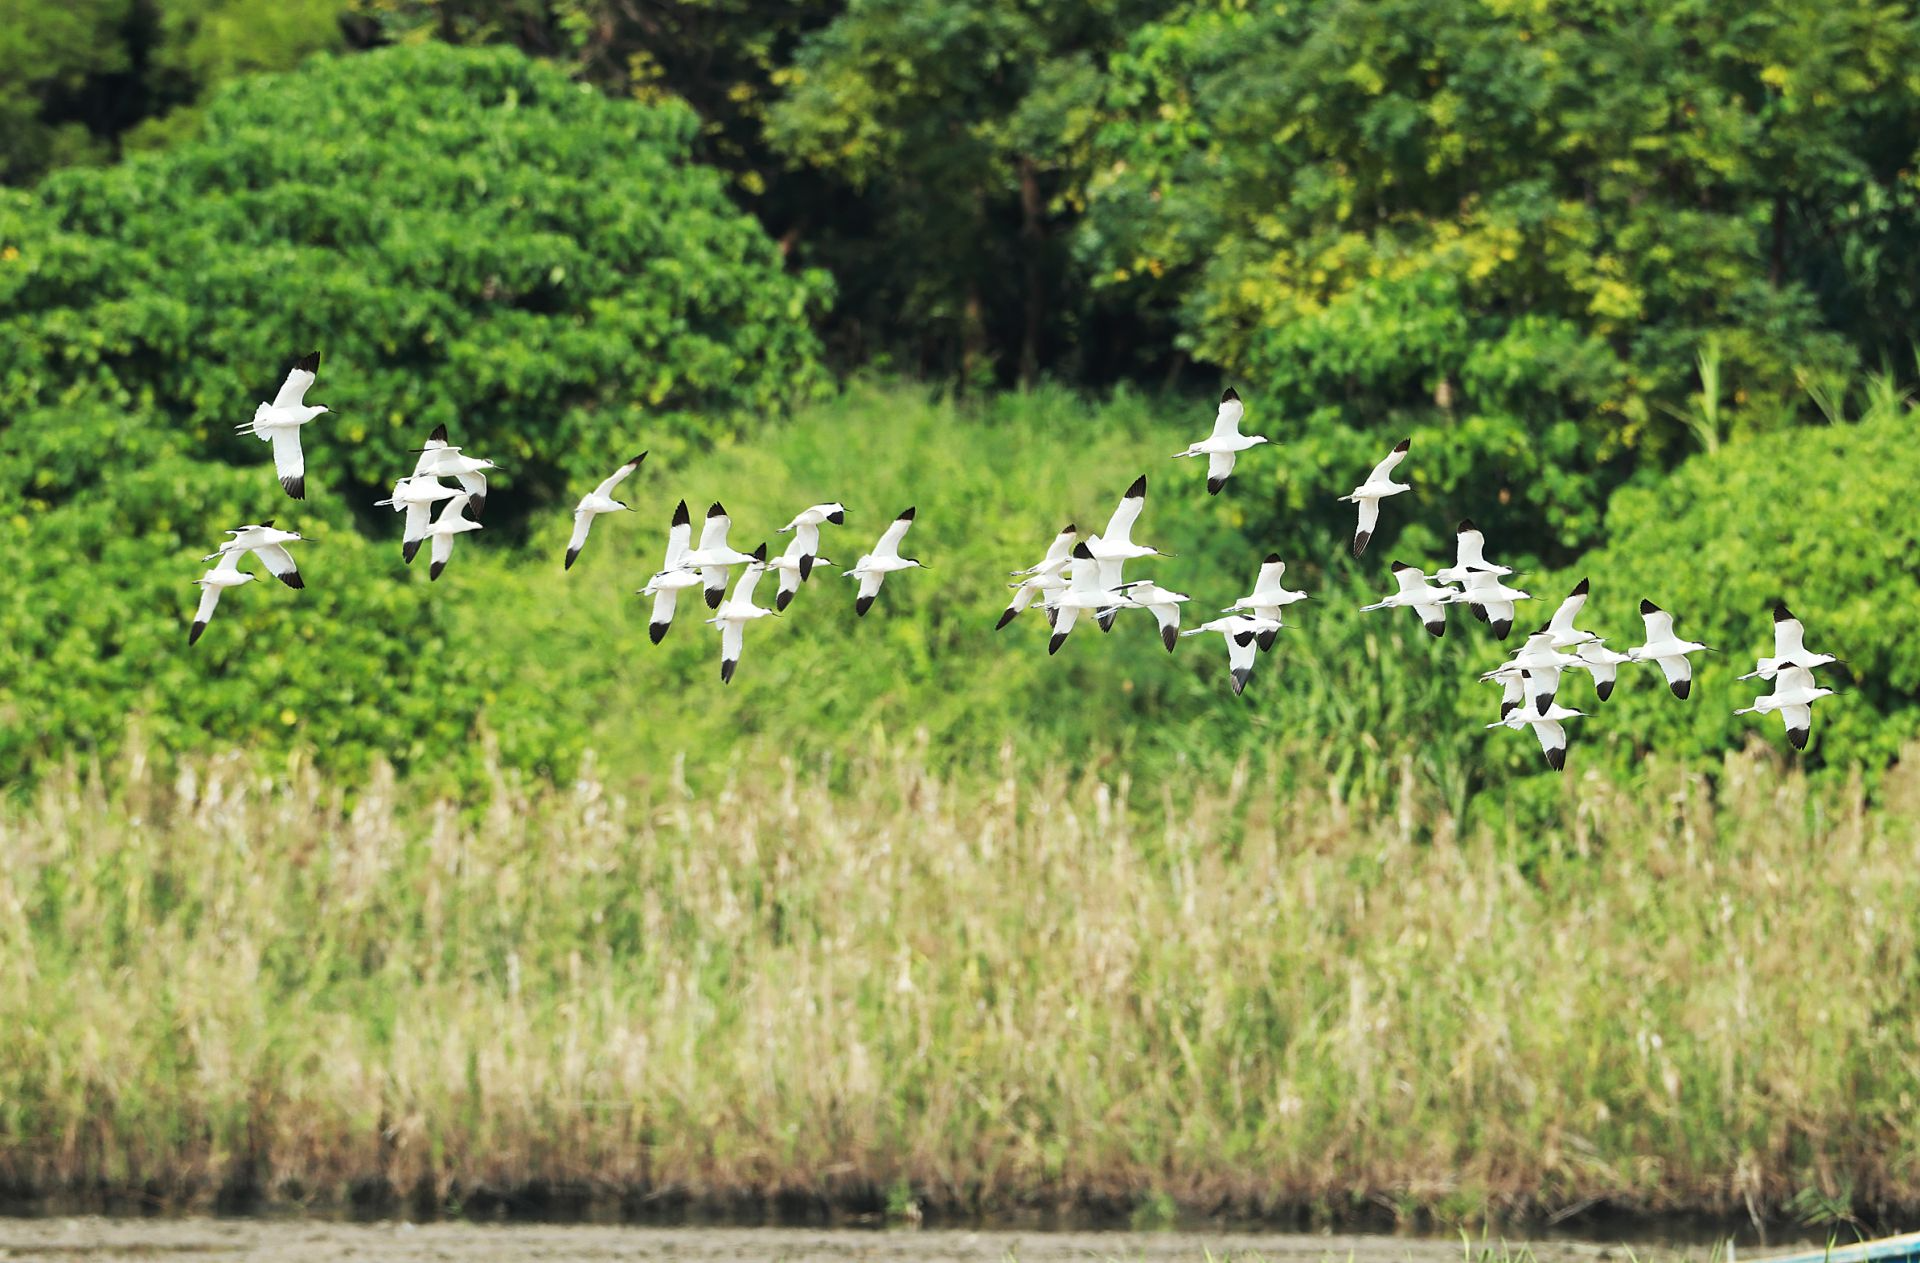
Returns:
point(80, 80)
point(509, 254)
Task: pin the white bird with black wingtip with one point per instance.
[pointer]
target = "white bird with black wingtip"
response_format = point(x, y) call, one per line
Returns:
point(1427, 599)
point(796, 563)
point(1044, 577)
point(875, 567)
point(735, 613)
point(1086, 592)
point(674, 576)
point(1163, 603)
point(268, 543)
point(1547, 724)
point(1242, 633)
point(1540, 665)
point(1379, 486)
point(1491, 601)
point(1470, 556)
point(1269, 598)
point(1665, 648)
point(279, 421)
point(440, 459)
point(452, 521)
point(595, 503)
point(1790, 649)
point(1221, 447)
point(226, 573)
point(416, 497)
point(1794, 696)
point(714, 557)
point(1115, 547)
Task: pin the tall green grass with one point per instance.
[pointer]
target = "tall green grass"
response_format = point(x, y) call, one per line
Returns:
point(848, 970)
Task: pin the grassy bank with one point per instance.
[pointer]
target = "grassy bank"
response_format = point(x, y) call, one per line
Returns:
point(1053, 988)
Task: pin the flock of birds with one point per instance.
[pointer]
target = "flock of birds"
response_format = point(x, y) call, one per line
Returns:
point(1074, 579)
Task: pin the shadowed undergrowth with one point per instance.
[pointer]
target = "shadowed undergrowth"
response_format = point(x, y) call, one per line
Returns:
point(1043, 988)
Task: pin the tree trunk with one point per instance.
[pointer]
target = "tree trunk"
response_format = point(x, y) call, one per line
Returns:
point(1033, 237)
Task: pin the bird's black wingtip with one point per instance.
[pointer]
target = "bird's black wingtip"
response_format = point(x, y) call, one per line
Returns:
point(1680, 687)
point(806, 566)
point(1360, 541)
point(714, 596)
point(1542, 701)
point(1137, 488)
point(1081, 552)
point(1648, 607)
point(1507, 709)
point(569, 563)
point(1266, 640)
point(680, 515)
point(1055, 642)
point(1270, 559)
point(655, 631)
point(292, 580)
point(1402, 445)
point(1240, 681)
point(637, 460)
point(906, 515)
point(862, 605)
point(1781, 612)
point(1007, 617)
point(717, 510)
point(439, 435)
point(309, 363)
point(433, 571)
point(1466, 525)
point(838, 517)
point(727, 671)
point(1169, 636)
point(1214, 486)
point(1798, 738)
point(1557, 759)
point(296, 486)
point(1501, 629)
point(1069, 529)
point(1229, 394)
point(760, 554)
point(1242, 638)
point(193, 633)
point(1579, 590)
point(1437, 628)
point(1603, 689)
point(781, 600)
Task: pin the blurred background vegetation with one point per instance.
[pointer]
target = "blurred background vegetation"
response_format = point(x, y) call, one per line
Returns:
point(1638, 279)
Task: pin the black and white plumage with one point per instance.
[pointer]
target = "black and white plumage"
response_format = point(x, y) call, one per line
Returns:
point(595, 503)
point(440, 459)
point(673, 577)
point(1226, 441)
point(1086, 591)
point(806, 525)
point(1665, 648)
point(278, 422)
point(1541, 665)
point(1790, 649)
point(735, 613)
point(452, 521)
point(226, 573)
point(714, 556)
point(1426, 599)
point(1492, 601)
point(1115, 547)
point(1242, 633)
point(1600, 663)
point(1470, 556)
point(1562, 634)
point(1380, 484)
point(793, 566)
point(882, 562)
point(268, 543)
point(1547, 725)
point(1043, 577)
point(1163, 603)
point(416, 497)
point(1794, 696)
point(1269, 598)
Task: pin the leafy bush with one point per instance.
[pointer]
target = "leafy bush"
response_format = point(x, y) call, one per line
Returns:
point(468, 237)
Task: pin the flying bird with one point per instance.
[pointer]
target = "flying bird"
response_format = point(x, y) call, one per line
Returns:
point(1086, 592)
point(1043, 585)
point(1060, 552)
point(806, 528)
point(1470, 556)
point(794, 566)
point(1599, 662)
point(1789, 650)
point(1663, 647)
point(416, 497)
point(1221, 446)
point(714, 556)
point(673, 577)
point(882, 562)
point(453, 521)
point(1424, 598)
point(1562, 634)
point(1163, 603)
point(226, 573)
point(1369, 495)
point(1542, 665)
point(734, 614)
point(1547, 725)
point(1241, 632)
point(279, 423)
point(593, 504)
point(1794, 696)
point(1492, 601)
point(440, 459)
point(1044, 577)
point(1115, 547)
point(269, 544)
point(1269, 598)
